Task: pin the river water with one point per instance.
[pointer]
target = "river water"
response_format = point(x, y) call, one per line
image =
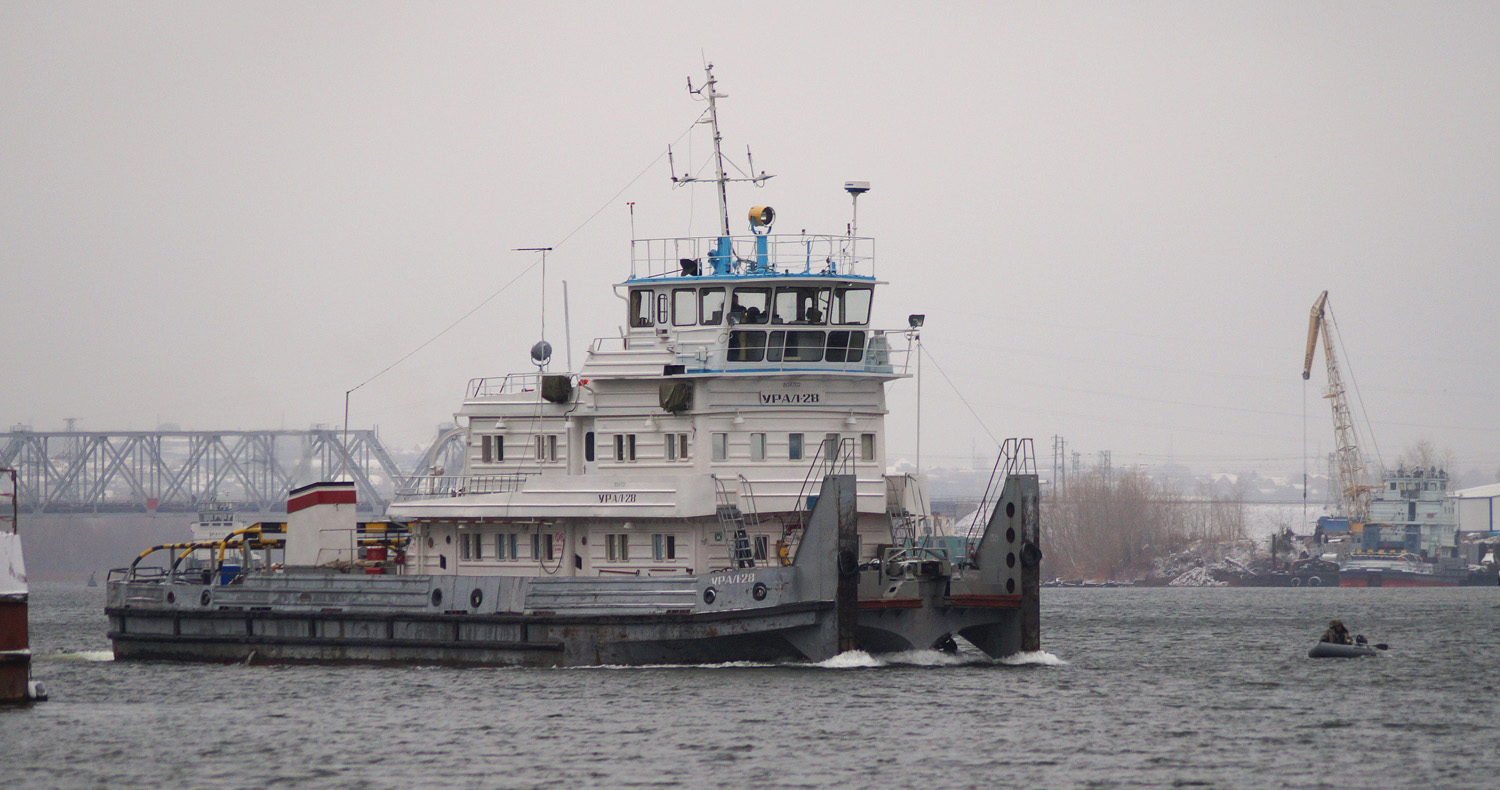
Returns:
point(1136, 688)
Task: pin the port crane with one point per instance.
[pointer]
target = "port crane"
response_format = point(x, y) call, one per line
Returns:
point(1351, 465)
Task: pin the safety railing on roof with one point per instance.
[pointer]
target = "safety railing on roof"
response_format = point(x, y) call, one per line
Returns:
point(440, 486)
point(788, 254)
point(503, 385)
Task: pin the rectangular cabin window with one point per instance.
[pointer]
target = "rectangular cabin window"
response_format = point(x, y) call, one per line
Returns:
point(711, 306)
point(747, 346)
point(478, 546)
point(541, 546)
point(800, 305)
point(721, 446)
point(794, 446)
point(684, 307)
point(661, 309)
point(617, 547)
point(663, 547)
point(640, 308)
point(546, 447)
point(505, 546)
point(867, 447)
point(762, 546)
point(750, 306)
point(831, 447)
point(588, 446)
point(463, 546)
point(851, 306)
point(624, 447)
point(677, 446)
point(845, 347)
point(757, 447)
point(499, 444)
point(484, 451)
point(795, 347)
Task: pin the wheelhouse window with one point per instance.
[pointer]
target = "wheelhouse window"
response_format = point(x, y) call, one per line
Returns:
point(661, 309)
point(757, 447)
point(851, 306)
point(794, 446)
point(747, 346)
point(795, 347)
point(750, 306)
point(676, 447)
point(845, 347)
point(711, 306)
point(800, 305)
point(684, 307)
point(640, 308)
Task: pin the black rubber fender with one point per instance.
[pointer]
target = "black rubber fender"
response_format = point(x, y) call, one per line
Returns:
point(1031, 554)
point(848, 563)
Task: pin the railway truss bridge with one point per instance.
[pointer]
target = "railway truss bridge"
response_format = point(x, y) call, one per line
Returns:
point(124, 472)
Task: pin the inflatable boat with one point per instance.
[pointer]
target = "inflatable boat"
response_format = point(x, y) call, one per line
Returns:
point(1336, 650)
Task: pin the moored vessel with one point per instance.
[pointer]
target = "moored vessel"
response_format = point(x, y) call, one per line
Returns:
point(16, 685)
point(708, 486)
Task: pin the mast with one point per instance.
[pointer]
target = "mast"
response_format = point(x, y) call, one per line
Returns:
point(722, 257)
point(713, 120)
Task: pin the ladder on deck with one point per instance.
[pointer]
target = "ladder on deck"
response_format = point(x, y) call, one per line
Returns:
point(732, 522)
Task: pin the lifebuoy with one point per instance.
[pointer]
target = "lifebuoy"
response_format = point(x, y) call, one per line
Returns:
point(476, 598)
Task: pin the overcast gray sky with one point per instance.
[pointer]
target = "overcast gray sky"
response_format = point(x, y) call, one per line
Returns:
point(1115, 216)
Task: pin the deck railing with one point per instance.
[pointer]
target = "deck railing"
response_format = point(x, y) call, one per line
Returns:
point(796, 253)
point(441, 486)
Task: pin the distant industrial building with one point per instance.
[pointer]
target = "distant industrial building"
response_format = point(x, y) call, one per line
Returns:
point(1477, 509)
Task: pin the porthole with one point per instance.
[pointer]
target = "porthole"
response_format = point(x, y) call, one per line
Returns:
point(172, 596)
point(476, 598)
point(1010, 510)
point(709, 595)
point(437, 597)
point(205, 598)
point(758, 592)
point(1010, 560)
point(1010, 586)
point(1010, 534)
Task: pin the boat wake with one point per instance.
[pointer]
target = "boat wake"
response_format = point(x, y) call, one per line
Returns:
point(1035, 658)
point(80, 655)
